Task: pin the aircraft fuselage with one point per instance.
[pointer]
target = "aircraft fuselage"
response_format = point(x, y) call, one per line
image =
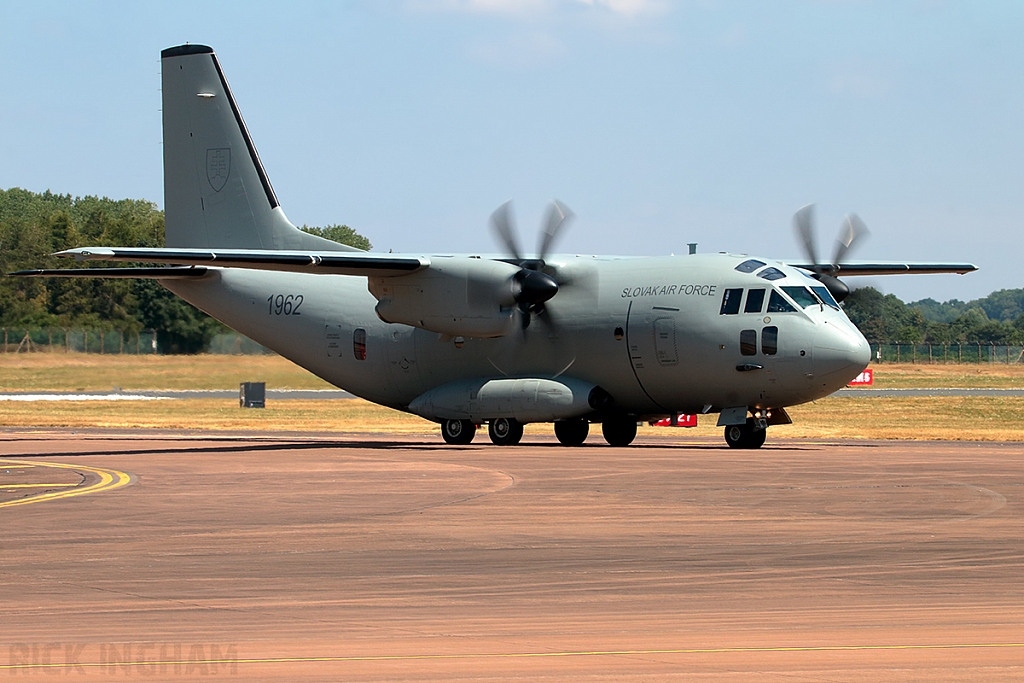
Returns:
point(661, 335)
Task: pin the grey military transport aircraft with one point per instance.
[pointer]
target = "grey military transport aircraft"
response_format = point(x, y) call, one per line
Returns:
point(503, 340)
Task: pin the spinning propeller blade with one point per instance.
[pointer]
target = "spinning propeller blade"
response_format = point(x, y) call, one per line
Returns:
point(852, 231)
point(558, 217)
point(501, 225)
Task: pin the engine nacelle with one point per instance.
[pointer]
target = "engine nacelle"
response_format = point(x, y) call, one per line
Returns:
point(525, 399)
point(459, 296)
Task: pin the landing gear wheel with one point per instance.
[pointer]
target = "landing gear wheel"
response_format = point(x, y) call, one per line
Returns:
point(572, 432)
point(745, 435)
point(458, 432)
point(619, 431)
point(505, 431)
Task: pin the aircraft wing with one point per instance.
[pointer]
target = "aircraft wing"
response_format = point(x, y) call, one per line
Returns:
point(172, 273)
point(332, 263)
point(889, 268)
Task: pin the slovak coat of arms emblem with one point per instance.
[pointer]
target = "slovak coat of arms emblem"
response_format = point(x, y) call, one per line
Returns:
point(218, 167)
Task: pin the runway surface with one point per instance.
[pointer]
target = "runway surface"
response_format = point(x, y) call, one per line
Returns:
point(331, 394)
point(166, 557)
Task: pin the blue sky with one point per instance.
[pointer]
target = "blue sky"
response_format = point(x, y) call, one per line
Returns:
point(658, 122)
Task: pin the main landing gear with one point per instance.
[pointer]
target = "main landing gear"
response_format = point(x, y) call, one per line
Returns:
point(458, 432)
point(572, 432)
point(619, 430)
point(507, 431)
point(748, 435)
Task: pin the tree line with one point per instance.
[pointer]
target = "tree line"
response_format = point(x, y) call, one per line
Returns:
point(995, 319)
point(34, 225)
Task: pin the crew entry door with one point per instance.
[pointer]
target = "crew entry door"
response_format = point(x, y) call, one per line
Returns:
point(654, 351)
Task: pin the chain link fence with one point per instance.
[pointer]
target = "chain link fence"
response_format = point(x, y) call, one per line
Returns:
point(966, 352)
point(144, 342)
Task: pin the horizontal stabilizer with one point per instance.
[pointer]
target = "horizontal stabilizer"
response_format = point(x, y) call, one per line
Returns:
point(175, 273)
point(329, 263)
point(889, 268)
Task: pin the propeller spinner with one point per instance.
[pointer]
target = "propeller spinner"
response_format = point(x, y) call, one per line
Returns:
point(853, 229)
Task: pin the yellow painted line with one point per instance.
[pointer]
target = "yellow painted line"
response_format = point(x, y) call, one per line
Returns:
point(108, 480)
point(519, 655)
point(33, 486)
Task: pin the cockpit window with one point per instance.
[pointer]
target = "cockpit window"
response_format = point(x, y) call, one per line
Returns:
point(731, 301)
point(755, 301)
point(771, 274)
point(826, 296)
point(801, 295)
point(749, 266)
point(776, 304)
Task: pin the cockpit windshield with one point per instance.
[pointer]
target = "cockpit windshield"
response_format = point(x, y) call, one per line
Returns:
point(776, 304)
point(802, 296)
point(826, 296)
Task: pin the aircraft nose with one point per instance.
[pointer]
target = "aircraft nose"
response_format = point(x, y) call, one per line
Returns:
point(840, 353)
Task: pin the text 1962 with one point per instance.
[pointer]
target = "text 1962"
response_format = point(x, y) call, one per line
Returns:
point(284, 304)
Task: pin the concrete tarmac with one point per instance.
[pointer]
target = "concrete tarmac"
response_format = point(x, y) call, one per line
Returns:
point(164, 556)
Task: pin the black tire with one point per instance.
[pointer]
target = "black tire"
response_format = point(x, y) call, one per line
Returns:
point(572, 432)
point(745, 435)
point(619, 431)
point(736, 436)
point(458, 432)
point(757, 438)
point(505, 431)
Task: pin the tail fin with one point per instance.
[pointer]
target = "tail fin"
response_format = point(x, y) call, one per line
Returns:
point(216, 192)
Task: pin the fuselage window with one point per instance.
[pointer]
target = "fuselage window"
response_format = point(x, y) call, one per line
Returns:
point(755, 301)
point(801, 295)
point(770, 340)
point(776, 304)
point(826, 296)
point(749, 266)
point(359, 343)
point(771, 274)
point(748, 342)
point(731, 301)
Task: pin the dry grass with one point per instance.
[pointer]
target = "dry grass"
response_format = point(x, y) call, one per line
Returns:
point(345, 415)
point(974, 375)
point(93, 372)
point(942, 418)
point(947, 418)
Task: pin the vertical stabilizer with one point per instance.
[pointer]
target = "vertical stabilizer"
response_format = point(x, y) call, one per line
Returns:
point(216, 192)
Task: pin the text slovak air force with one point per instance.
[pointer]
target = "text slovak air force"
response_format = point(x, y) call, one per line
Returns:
point(668, 290)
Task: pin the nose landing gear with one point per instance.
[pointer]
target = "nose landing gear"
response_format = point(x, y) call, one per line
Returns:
point(749, 435)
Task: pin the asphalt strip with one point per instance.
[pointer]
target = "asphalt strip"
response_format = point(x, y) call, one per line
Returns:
point(333, 394)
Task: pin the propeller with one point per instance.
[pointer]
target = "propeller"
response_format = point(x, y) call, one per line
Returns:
point(532, 285)
point(852, 231)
